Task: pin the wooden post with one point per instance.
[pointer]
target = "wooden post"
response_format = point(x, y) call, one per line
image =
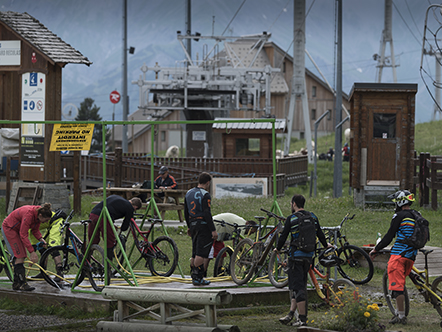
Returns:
point(118, 166)
point(433, 183)
point(425, 175)
point(77, 182)
point(8, 183)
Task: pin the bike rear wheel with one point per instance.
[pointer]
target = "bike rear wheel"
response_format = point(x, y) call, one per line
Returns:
point(391, 302)
point(242, 263)
point(357, 266)
point(94, 267)
point(222, 264)
point(278, 268)
point(436, 287)
point(3, 263)
point(165, 257)
point(69, 267)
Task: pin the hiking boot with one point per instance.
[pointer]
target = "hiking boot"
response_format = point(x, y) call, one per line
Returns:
point(287, 319)
point(16, 285)
point(59, 277)
point(299, 323)
point(397, 320)
point(24, 287)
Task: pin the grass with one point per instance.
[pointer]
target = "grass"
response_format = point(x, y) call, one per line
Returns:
point(361, 230)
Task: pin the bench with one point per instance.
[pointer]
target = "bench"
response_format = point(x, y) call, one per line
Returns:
point(166, 301)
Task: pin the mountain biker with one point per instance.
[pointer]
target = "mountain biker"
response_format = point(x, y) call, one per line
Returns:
point(118, 207)
point(299, 261)
point(15, 230)
point(402, 256)
point(53, 238)
point(225, 232)
point(165, 181)
point(200, 227)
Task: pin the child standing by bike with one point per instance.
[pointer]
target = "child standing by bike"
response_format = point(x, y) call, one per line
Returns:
point(300, 258)
point(402, 256)
point(15, 230)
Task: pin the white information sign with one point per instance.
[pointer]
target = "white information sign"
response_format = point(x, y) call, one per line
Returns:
point(10, 52)
point(33, 103)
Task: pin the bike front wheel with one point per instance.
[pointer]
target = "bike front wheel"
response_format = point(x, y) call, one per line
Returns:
point(242, 263)
point(357, 266)
point(67, 271)
point(436, 287)
point(94, 267)
point(4, 260)
point(165, 256)
point(222, 264)
point(340, 288)
point(391, 302)
point(278, 268)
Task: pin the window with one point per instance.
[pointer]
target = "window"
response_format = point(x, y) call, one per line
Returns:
point(384, 125)
point(283, 67)
point(247, 147)
point(313, 91)
point(313, 114)
point(163, 136)
point(329, 115)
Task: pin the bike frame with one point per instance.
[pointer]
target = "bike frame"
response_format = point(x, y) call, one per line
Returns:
point(313, 271)
point(426, 283)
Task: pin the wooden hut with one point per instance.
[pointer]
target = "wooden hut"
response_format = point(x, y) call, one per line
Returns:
point(382, 140)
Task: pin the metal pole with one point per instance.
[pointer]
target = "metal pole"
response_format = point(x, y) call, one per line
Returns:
point(337, 174)
point(188, 27)
point(316, 147)
point(125, 111)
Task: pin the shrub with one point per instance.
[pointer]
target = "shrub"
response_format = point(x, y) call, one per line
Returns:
point(357, 315)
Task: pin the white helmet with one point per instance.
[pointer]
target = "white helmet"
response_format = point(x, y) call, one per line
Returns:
point(402, 197)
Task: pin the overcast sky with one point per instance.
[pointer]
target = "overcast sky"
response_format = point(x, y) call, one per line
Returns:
point(94, 27)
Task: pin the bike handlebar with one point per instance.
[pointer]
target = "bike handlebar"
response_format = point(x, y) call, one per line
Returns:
point(271, 214)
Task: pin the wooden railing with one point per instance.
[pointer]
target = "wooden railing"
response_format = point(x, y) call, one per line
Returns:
point(430, 179)
point(125, 170)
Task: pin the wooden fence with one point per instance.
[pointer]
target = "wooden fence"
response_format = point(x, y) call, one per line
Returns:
point(428, 179)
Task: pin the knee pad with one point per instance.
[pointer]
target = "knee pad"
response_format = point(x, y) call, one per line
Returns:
point(299, 296)
point(55, 253)
point(395, 293)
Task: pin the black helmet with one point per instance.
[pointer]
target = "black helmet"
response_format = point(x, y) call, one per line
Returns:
point(329, 258)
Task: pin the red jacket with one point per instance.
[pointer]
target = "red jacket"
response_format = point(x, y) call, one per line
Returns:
point(22, 220)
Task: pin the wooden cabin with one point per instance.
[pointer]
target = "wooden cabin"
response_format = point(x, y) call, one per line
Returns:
point(381, 140)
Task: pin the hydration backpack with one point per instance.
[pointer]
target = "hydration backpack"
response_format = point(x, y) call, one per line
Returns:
point(306, 240)
point(421, 233)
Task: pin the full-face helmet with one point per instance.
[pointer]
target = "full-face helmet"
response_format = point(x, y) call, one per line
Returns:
point(401, 198)
point(329, 258)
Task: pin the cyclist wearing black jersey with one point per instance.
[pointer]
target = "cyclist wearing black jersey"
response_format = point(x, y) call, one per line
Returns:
point(200, 227)
point(402, 256)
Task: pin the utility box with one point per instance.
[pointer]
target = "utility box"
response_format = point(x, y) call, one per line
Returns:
point(381, 140)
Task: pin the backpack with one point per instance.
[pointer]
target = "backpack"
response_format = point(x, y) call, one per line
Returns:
point(421, 233)
point(306, 240)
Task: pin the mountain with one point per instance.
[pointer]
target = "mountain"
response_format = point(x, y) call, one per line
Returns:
point(94, 27)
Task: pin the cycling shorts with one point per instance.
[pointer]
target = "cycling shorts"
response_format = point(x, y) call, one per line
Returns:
point(398, 269)
point(201, 241)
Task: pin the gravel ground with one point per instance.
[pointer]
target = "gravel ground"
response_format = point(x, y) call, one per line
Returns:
point(9, 322)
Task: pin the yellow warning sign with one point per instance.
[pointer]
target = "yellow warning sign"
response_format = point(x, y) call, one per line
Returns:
point(72, 137)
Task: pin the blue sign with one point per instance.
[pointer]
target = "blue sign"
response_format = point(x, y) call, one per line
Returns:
point(25, 107)
point(31, 105)
point(32, 79)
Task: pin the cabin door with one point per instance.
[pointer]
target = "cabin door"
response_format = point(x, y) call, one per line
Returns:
point(383, 150)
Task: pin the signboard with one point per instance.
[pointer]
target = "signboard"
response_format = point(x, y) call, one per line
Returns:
point(72, 137)
point(114, 97)
point(32, 151)
point(33, 103)
point(198, 135)
point(10, 52)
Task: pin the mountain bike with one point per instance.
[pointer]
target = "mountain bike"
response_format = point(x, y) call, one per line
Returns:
point(251, 258)
point(221, 266)
point(160, 255)
point(327, 289)
point(357, 266)
point(432, 292)
point(6, 260)
point(72, 254)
